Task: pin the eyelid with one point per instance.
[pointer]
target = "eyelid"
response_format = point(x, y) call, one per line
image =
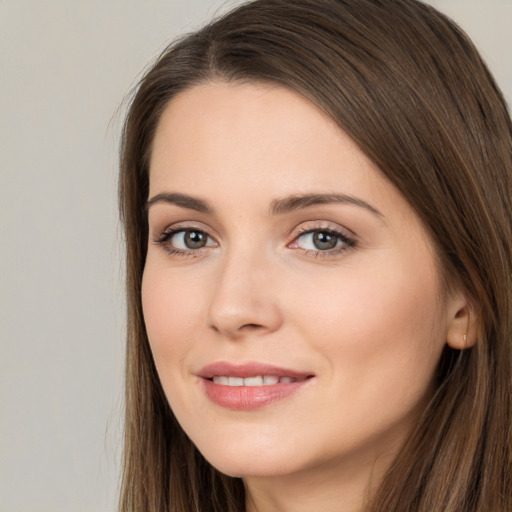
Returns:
point(323, 225)
point(157, 232)
point(163, 239)
point(347, 236)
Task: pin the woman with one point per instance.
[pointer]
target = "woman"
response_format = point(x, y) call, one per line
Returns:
point(317, 203)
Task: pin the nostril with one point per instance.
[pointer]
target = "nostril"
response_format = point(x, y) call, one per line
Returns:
point(251, 327)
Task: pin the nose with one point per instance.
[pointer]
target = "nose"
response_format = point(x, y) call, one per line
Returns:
point(244, 299)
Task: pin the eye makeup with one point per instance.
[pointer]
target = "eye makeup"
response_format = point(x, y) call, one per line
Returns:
point(322, 241)
point(184, 241)
point(312, 240)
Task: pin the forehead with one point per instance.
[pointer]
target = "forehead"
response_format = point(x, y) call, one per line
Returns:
point(256, 132)
point(267, 118)
point(246, 108)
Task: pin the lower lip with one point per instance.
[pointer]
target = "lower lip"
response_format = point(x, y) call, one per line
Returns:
point(246, 398)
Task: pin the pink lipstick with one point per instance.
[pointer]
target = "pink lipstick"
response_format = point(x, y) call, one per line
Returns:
point(250, 385)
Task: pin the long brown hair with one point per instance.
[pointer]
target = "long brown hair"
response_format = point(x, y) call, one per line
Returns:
point(409, 87)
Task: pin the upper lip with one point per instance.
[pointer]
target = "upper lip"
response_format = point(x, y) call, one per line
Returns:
point(249, 369)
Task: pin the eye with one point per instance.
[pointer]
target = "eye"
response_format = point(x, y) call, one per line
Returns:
point(318, 240)
point(322, 240)
point(189, 239)
point(185, 240)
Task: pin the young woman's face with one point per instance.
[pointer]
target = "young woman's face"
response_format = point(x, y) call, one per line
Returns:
point(290, 293)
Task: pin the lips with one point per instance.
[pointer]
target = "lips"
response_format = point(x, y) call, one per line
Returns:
point(258, 380)
point(251, 385)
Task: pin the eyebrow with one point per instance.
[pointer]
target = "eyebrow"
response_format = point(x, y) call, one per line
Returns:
point(277, 207)
point(182, 200)
point(298, 202)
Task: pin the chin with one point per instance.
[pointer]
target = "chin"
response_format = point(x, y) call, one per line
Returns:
point(258, 467)
point(244, 459)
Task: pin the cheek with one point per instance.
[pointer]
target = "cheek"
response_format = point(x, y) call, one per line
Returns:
point(170, 313)
point(377, 326)
point(387, 298)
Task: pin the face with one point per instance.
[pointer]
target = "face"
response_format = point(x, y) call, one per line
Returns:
point(290, 293)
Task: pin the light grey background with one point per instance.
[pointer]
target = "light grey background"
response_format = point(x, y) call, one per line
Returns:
point(65, 67)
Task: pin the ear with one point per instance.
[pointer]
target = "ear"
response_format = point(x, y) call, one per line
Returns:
point(462, 323)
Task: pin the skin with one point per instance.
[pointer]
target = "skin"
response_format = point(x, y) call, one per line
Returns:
point(368, 319)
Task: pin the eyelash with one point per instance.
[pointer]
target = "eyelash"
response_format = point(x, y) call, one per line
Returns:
point(347, 242)
point(164, 239)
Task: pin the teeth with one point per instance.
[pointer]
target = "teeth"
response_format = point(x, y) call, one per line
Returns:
point(253, 381)
point(265, 380)
point(221, 380)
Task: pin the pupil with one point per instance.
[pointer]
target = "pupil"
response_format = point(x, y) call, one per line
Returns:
point(324, 241)
point(195, 239)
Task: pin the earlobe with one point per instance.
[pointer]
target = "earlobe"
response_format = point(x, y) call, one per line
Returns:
point(462, 331)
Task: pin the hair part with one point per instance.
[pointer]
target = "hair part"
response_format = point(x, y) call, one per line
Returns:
point(409, 87)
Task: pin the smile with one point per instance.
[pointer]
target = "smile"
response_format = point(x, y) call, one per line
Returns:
point(250, 386)
point(265, 380)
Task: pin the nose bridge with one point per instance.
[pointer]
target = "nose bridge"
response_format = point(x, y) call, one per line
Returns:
point(244, 299)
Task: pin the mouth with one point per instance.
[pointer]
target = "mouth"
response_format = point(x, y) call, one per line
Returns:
point(251, 385)
point(258, 380)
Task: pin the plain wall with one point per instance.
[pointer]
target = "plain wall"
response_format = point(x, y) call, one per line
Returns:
point(65, 67)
